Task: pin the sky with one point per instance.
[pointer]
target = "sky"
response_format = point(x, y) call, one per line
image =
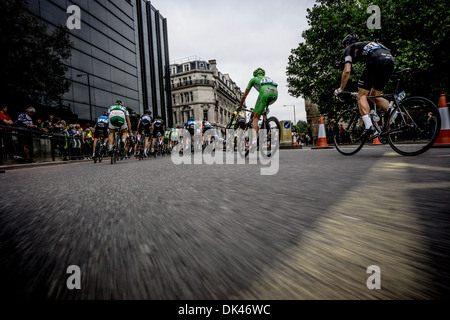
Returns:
point(241, 35)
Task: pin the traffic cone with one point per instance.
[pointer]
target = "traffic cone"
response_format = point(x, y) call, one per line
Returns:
point(376, 140)
point(322, 141)
point(444, 136)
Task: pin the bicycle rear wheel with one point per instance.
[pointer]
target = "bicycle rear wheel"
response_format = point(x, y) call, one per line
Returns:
point(347, 132)
point(414, 127)
point(273, 135)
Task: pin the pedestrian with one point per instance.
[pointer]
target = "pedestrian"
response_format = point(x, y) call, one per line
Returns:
point(25, 121)
point(5, 131)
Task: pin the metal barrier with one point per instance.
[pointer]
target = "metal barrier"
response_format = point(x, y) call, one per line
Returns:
point(26, 144)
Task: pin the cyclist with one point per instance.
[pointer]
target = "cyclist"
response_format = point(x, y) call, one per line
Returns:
point(379, 66)
point(167, 134)
point(190, 127)
point(207, 126)
point(100, 130)
point(119, 118)
point(174, 136)
point(158, 126)
point(144, 125)
point(268, 94)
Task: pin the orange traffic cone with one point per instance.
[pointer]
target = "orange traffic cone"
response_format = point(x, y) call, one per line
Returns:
point(444, 136)
point(322, 142)
point(376, 140)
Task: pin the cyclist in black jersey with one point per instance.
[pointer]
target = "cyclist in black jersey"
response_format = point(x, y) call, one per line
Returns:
point(144, 125)
point(158, 126)
point(379, 66)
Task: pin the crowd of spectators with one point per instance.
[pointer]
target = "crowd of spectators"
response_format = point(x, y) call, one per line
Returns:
point(52, 125)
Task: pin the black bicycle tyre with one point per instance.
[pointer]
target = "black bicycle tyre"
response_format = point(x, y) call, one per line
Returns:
point(336, 132)
point(430, 143)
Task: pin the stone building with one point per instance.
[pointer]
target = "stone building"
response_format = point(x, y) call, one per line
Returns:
point(201, 91)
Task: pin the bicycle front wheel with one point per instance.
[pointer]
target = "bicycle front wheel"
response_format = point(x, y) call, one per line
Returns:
point(347, 132)
point(414, 127)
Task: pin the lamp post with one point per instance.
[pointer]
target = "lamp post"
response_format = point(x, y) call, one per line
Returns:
point(89, 88)
point(292, 105)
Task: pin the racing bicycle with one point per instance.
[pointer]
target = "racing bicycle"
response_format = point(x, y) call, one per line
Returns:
point(101, 150)
point(118, 150)
point(243, 129)
point(410, 129)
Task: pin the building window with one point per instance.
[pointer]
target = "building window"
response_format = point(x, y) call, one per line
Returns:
point(173, 70)
point(205, 114)
point(204, 79)
point(175, 118)
point(181, 96)
point(186, 96)
point(192, 96)
point(174, 99)
point(186, 67)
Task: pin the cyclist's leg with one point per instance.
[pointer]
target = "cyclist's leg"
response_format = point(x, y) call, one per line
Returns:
point(111, 138)
point(381, 102)
point(383, 72)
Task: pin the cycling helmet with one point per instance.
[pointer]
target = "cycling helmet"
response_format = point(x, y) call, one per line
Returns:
point(259, 72)
point(119, 102)
point(349, 39)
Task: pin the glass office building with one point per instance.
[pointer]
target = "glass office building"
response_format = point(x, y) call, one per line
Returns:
point(120, 52)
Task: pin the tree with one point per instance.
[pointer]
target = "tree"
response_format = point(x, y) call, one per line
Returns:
point(414, 30)
point(301, 127)
point(32, 59)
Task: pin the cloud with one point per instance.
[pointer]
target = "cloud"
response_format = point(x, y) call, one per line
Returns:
point(240, 36)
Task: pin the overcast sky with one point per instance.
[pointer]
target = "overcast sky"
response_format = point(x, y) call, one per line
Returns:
point(241, 35)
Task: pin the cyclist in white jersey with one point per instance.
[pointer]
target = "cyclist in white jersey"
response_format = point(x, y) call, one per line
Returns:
point(119, 119)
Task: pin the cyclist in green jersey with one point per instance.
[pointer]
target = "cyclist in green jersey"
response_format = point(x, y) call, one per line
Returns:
point(119, 118)
point(167, 134)
point(268, 94)
point(174, 136)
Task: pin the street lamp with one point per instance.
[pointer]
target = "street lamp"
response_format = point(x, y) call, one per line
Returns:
point(292, 105)
point(89, 88)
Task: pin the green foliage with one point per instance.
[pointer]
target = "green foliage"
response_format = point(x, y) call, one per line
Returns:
point(32, 59)
point(301, 127)
point(414, 30)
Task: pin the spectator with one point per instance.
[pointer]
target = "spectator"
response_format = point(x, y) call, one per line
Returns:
point(71, 130)
point(78, 131)
point(5, 133)
point(50, 124)
point(40, 124)
point(64, 147)
point(87, 135)
point(25, 121)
